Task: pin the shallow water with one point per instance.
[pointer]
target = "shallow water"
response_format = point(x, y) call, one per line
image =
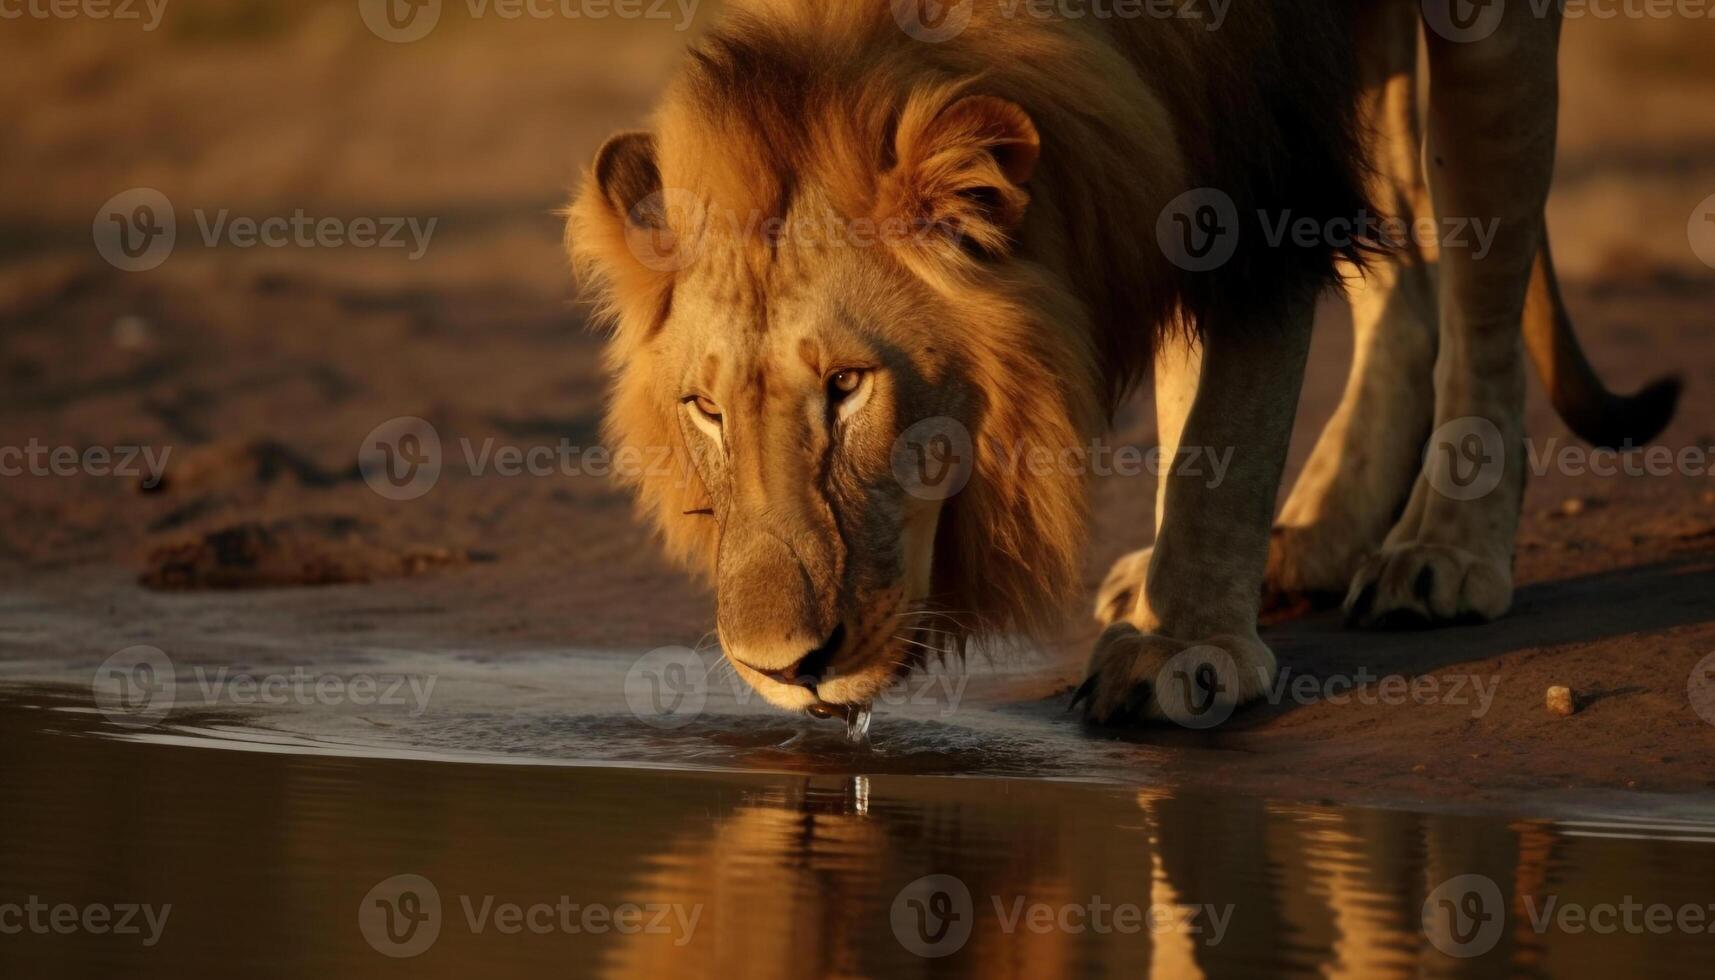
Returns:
point(295, 856)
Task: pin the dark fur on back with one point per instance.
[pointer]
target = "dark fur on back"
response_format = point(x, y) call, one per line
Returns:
point(1273, 105)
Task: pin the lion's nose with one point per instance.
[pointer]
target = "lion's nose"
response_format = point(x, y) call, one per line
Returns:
point(812, 667)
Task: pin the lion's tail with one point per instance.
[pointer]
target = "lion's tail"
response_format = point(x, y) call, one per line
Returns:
point(1596, 414)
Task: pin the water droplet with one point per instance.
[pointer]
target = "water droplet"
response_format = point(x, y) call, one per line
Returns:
point(857, 724)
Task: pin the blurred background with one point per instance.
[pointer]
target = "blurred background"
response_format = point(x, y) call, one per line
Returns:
point(264, 368)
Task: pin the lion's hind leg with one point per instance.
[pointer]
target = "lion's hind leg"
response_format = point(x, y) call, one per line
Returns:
point(1123, 584)
point(1492, 116)
point(1360, 472)
point(1178, 366)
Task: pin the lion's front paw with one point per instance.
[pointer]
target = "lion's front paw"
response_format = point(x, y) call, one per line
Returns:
point(1416, 586)
point(1118, 595)
point(1137, 677)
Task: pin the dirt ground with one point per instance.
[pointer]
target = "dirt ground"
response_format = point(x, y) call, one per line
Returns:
point(261, 371)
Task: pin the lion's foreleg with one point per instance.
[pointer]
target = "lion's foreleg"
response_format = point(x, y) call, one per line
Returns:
point(1188, 648)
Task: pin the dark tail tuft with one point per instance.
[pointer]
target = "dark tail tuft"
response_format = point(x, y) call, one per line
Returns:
point(1596, 414)
point(1620, 421)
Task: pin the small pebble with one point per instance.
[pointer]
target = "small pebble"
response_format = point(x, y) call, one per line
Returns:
point(1574, 507)
point(1561, 702)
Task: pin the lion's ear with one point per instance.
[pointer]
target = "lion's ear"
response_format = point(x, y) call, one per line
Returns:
point(622, 246)
point(628, 178)
point(962, 169)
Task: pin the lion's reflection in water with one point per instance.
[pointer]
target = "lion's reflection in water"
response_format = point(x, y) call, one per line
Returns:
point(272, 862)
point(856, 876)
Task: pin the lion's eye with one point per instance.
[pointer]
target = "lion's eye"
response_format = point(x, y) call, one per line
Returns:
point(848, 390)
point(843, 383)
point(706, 408)
point(705, 415)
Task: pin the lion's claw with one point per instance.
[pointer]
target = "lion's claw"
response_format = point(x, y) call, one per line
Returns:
point(1418, 586)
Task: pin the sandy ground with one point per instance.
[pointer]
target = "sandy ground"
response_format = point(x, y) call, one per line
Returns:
point(262, 370)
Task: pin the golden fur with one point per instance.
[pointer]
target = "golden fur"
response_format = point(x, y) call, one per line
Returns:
point(834, 231)
point(1015, 176)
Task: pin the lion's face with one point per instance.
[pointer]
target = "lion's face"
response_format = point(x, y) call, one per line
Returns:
point(822, 318)
point(790, 382)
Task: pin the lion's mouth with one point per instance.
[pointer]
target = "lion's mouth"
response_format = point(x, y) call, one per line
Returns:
point(846, 686)
point(817, 667)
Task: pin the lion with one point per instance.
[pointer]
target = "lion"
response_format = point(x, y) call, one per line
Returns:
point(860, 259)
